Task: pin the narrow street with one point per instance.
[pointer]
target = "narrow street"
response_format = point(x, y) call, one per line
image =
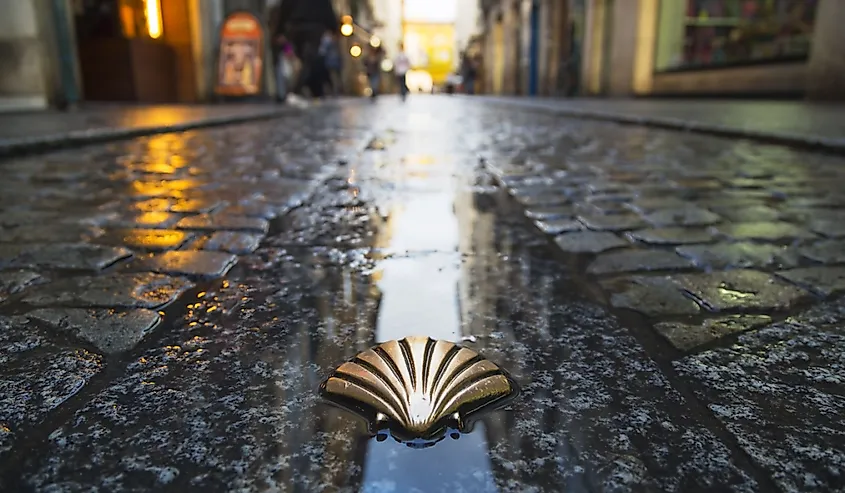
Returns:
point(667, 302)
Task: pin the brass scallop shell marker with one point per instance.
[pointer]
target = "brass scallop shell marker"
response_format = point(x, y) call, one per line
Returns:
point(418, 388)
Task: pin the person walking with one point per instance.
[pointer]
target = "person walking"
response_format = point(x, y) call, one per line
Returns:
point(303, 23)
point(469, 71)
point(330, 53)
point(372, 65)
point(401, 66)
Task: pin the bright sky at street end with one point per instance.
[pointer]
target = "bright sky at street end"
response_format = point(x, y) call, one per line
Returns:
point(431, 10)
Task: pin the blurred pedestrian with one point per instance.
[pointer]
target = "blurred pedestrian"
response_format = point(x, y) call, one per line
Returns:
point(372, 64)
point(401, 66)
point(303, 23)
point(469, 72)
point(330, 54)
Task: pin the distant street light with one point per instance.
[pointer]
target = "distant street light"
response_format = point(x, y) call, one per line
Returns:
point(346, 19)
point(355, 51)
point(346, 30)
point(386, 65)
point(375, 42)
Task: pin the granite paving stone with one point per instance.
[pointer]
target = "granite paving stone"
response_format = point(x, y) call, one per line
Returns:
point(193, 206)
point(740, 255)
point(74, 256)
point(546, 199)
point(189, 263)
point(15, 281)
point(107, 330)
point(612, 222)
point(646, 205)
point(683, 216)
point(147, 239)
point(778, 391)
point(687, 336)
point(824, 281)
point(261, 210)
point(135, 290)
point(589, 242)
point(825, 252)
point(757, 213)
point(558, 226)
point(551, 212)
point(53, 233)
point(146, 220)
point(741, 291)
point(830, 229)
point(233, 242)
point(37, 377)
point(671, 236)
point(624, 261)
point(651, 296)
point(10, 252)
point(209, 222)
point(767, 231)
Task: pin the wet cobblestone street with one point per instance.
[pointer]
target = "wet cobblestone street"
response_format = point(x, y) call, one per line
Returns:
point(669, 303)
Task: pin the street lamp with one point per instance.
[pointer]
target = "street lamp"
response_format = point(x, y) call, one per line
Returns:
point(346, 30)
point(375, 42)
point(355, 51)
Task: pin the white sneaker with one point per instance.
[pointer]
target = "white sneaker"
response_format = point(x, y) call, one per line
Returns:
point(297, 101)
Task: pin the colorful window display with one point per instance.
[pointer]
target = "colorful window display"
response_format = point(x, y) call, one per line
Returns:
point(711, 33)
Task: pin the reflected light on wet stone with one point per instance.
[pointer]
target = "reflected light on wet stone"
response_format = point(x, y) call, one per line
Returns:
point(418, 390)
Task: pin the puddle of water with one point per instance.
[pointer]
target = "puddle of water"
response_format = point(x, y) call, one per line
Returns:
point(420, 296)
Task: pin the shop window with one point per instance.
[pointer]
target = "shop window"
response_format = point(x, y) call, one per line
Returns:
point(711, 33)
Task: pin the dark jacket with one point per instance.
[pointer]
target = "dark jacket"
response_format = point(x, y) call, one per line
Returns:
point(293, 14)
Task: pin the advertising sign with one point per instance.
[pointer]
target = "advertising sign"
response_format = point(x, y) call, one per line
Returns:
point(240, 63)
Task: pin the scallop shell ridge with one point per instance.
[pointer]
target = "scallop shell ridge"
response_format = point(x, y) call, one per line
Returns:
point(418, 384)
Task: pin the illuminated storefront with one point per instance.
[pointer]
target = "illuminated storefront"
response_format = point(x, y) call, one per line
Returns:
point(695, 34)
point(701, 47)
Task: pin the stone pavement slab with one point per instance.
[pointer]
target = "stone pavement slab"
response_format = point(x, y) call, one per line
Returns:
point(779, 391)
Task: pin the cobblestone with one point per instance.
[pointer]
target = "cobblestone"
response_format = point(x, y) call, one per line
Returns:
point(825, 252)
point(672, 236)
point(189, 263)
point(548, 213)
point(771, 231)
point(741, 290)
point(652, 296)
point(623, 261)
point(109, 331)
point(147, 239)
point(685, 216)
point(139, 290)
point(824, 281)
point(15, 281)
point(740, 256)
point(209, 222)
point(589, 242)
point(612, 222)
point(232, 242)
point(75, 256)
point(686, 336)
point(558, 226)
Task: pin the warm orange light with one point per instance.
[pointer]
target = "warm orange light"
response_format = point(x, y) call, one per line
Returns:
point(152, 8)
point(346, 29)
point(346, 19)
point(355, 51)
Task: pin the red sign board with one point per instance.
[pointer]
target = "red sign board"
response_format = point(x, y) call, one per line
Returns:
point(241, 60)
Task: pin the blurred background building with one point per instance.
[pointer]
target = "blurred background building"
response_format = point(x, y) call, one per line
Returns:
point(59, 52)
point(767, 48)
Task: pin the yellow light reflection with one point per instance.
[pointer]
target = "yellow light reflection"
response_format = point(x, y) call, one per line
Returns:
point(346, 30)
point(152, 8)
